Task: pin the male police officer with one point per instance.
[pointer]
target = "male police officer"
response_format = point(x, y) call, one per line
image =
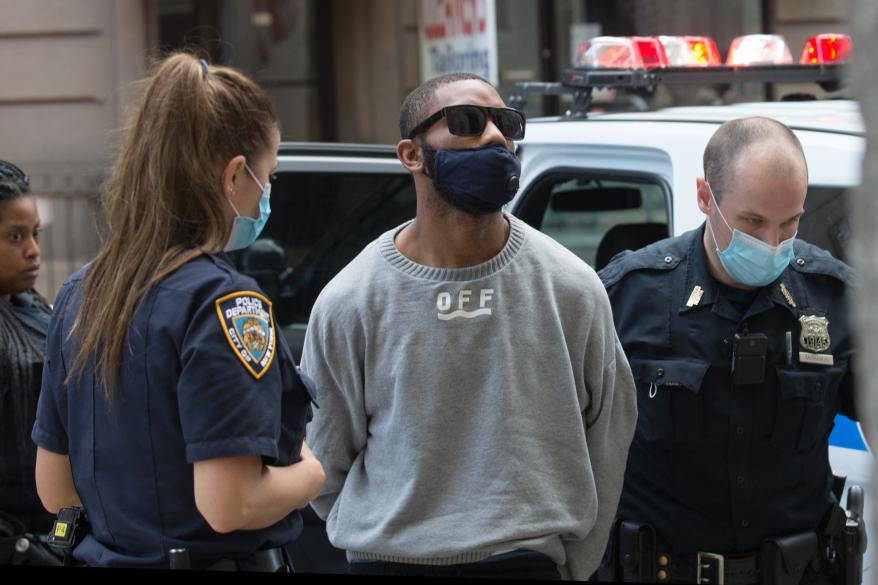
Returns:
point(738, 338)
point(474, 396)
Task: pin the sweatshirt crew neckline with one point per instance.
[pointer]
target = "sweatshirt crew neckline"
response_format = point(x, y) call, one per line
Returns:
point(395, 258)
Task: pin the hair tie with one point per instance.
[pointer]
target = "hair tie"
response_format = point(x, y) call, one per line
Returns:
point(204, 65)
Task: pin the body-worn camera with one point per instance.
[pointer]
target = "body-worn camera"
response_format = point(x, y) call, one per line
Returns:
point(69, 529)
point(748, 358)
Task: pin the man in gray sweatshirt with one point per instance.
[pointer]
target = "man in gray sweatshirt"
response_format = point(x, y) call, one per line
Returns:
point(476, 407)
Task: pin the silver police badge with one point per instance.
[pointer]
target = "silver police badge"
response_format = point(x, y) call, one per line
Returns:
point(815, 333)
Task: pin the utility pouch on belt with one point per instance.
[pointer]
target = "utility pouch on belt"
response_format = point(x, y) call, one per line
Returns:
point(853, 538)
point(637, 555)
point(783, 560)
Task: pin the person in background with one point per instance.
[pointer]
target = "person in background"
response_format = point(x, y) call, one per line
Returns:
point(24, 322)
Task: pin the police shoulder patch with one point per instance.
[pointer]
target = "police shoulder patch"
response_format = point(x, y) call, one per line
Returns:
point(248, 323)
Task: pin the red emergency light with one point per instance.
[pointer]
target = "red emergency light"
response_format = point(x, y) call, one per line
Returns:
point(826, 48)
point(652, 53)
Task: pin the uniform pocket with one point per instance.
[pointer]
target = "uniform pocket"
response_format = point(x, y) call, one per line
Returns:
point(804, 399)
point(669, 402)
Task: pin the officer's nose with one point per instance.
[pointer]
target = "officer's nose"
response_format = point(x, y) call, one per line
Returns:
point(775, 236)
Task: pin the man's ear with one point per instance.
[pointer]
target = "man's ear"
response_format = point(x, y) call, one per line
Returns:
point(410, 155)
point(705, 201)
point(230, 173)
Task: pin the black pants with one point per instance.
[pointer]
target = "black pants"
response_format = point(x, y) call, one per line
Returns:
point(522, 564)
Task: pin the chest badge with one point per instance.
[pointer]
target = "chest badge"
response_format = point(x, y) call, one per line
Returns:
point(815, 338)
point(248, 325)
point(815, 333)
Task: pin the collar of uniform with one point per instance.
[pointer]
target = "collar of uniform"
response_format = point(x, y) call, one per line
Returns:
point(796, 292)
point(794, 282)
point(698, 274)
point(224, 257)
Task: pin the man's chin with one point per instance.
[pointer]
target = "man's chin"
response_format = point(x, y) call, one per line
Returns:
point(467, 207)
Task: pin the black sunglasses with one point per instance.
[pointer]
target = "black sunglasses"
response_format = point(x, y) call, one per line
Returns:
point(469, 120)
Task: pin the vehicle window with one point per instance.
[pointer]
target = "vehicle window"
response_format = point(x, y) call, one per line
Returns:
point(320, 222)
point(598, 217)
point(826, 221)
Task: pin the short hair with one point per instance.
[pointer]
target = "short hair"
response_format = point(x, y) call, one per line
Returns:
point(415, 107)
point(733, 138)
point(13, 182)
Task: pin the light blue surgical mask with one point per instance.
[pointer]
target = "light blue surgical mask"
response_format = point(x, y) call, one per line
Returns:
point(749, 260)
point(245, 230)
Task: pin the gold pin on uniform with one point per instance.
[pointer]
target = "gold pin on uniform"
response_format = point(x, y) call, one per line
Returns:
point(786, 294)
point(695, 296)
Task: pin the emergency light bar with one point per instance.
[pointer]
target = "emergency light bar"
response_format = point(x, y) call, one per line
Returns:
point(649, 78)
point(581, 82)
point(642, 63)
point(640, 52)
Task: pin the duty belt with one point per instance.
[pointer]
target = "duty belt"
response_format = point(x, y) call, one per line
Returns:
point(715, 569)
point(272, 560)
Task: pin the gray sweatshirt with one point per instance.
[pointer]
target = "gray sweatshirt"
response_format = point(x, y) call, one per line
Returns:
point(467, 412)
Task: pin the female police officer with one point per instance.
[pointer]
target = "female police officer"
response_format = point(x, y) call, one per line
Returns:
point(170, 406)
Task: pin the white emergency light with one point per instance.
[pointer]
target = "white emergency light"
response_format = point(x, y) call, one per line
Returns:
point(758, 50)
point(690, 51)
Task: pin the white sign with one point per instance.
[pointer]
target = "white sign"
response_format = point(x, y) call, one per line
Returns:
point(458, 35)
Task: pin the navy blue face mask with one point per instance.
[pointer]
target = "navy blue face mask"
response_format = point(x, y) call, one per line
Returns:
point(477, 181)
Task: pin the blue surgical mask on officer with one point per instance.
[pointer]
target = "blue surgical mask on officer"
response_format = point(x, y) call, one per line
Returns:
point(480, 180)
point(245, 229)
point(749, 260)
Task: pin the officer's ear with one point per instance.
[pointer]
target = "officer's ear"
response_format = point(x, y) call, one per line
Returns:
point(231, 173)
point(705, 202)
point(410, 155)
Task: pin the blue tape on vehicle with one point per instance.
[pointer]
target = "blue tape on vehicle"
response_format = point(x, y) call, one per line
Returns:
point(846, 434)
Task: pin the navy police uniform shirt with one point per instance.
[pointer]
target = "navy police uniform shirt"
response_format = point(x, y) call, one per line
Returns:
point(716, 464)
point(204, 375)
